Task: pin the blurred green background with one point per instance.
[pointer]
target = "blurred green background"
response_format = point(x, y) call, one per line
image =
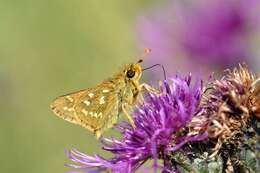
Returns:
point(49, 48)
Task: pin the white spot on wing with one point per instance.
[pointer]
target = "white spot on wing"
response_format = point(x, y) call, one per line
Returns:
point(68, 109)
point(105, 91)
point(102, 100)
point(69, 98)
point(71, 109)
point(84, 111)
point(90, 95)
point(87, 102)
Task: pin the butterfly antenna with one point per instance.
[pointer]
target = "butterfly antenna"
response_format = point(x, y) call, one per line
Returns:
point(155, 65)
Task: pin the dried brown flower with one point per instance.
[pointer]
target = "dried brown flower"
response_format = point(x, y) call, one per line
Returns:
point(232, 103)
point(229, 109)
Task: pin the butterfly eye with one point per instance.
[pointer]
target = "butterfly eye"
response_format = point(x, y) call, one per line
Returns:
point(130, 73)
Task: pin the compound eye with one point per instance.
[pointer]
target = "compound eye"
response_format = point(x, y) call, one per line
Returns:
point(130, 73)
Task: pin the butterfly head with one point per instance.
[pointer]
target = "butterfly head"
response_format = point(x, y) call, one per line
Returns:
point(133, 71)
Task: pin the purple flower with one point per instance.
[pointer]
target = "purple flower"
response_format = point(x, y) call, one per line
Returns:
point(161, 129)
point(206, 32)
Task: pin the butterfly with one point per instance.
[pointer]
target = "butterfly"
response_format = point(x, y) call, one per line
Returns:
point(98, 108)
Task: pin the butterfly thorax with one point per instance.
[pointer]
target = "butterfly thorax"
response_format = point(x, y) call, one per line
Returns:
point(127, 83)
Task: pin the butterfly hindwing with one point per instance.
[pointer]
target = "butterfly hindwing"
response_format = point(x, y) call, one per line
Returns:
point(63, 106)
point(95, 109)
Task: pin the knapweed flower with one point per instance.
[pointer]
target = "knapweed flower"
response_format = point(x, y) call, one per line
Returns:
point(232, 107)
point(161, 130)
point(211, 33)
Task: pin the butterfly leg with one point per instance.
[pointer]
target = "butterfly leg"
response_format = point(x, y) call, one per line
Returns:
point(149, 88)
point(98, 133)
point(128, 116)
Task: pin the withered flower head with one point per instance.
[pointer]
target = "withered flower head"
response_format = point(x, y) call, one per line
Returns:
point(232, 108)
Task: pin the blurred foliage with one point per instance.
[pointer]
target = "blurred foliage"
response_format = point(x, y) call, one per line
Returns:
point(49, 48)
